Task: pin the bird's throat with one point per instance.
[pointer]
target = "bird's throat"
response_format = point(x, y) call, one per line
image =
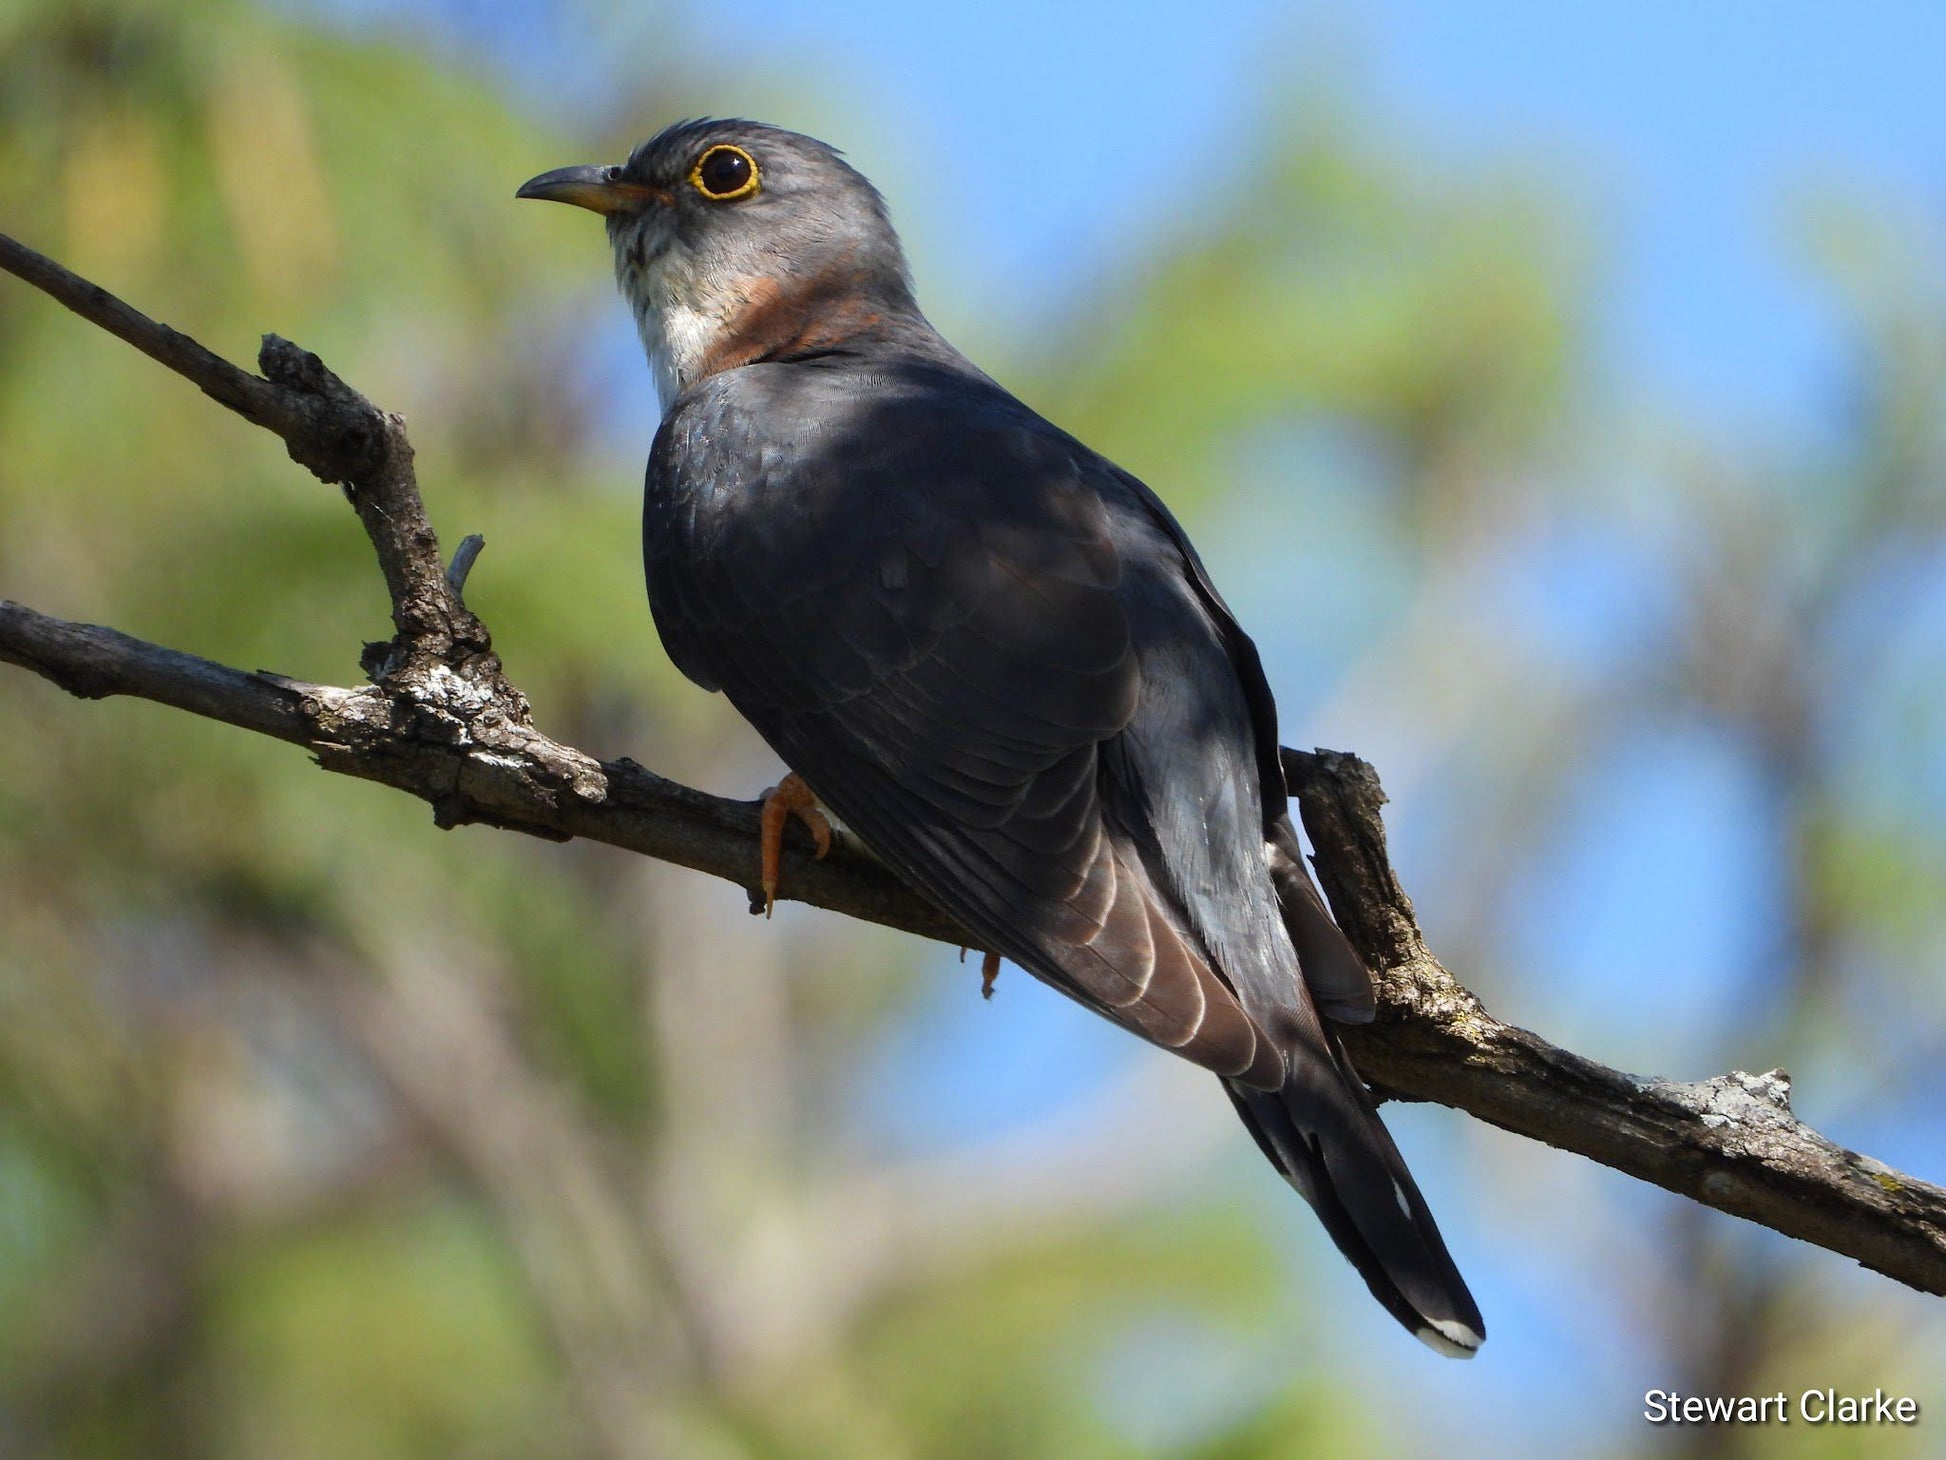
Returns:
point(691, 333)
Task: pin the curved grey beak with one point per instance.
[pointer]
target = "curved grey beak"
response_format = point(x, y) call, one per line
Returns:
point(597, 188)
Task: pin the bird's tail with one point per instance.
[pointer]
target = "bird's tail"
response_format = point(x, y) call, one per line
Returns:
point(1323, 1133)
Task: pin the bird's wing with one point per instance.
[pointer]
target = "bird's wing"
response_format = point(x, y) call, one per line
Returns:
point(1336, 977)
point(928, 626)
point(1200, 774)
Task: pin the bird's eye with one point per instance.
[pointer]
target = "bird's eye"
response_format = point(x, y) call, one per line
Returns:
point(725, 173)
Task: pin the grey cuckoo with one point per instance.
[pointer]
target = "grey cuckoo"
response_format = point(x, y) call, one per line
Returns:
point(993, 654)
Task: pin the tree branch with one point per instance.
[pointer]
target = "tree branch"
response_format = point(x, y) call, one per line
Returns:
point(441, 722)
point(1730, 1142)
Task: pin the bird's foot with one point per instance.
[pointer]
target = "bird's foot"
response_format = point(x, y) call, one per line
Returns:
point(989, 971)
point(789, 797)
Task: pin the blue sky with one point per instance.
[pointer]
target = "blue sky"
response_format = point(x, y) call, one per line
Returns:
point(1702, 126)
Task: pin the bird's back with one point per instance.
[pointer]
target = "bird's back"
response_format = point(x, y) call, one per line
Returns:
point(897, 552)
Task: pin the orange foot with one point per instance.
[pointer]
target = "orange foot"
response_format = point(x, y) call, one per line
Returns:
point(789, 797)
point(989, 971)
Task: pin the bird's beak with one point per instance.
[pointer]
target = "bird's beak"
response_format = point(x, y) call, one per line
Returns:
point(598, 188)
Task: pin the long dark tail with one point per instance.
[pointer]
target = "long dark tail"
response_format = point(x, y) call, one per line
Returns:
point(1323, 1133)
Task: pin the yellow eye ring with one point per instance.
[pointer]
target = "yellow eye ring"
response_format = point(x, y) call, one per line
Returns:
point(725, 173)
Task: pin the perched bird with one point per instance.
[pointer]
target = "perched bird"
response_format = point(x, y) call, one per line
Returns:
point(992, 653)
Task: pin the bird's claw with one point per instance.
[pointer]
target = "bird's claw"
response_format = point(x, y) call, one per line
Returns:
point(989, 970)
point(789, 797)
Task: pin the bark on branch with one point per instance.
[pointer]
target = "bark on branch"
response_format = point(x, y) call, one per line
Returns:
point(441, 721)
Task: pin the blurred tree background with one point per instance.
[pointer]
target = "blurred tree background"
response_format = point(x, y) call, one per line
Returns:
point(324, 1134)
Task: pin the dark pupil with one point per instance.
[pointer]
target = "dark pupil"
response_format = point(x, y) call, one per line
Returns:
point(725, 171)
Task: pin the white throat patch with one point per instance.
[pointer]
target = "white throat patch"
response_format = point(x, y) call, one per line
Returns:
point(676, 338)
point(677, 324)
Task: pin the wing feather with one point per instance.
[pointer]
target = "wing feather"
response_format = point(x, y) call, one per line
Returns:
point(944, 666)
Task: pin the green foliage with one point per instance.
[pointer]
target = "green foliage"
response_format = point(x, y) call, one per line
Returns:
point(404, 1327)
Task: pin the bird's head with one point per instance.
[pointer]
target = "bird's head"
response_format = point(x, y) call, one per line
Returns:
point(737, 242)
